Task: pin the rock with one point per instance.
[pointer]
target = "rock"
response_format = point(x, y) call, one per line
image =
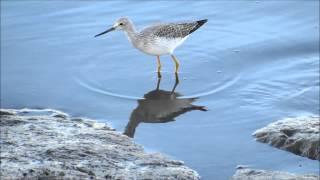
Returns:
point(298, 135)
point(240, 166)
point(47, 144)
point(251, 174)
point(7, 112)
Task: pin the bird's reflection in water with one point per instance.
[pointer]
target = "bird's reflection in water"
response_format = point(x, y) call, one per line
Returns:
point(160, 106)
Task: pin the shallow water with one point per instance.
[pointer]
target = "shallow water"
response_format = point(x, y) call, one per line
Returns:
point(254, 62)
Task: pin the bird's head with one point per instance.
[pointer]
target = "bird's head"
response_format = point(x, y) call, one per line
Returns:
point(121, 24)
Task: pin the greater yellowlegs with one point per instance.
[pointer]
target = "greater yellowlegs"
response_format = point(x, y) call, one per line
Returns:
point(159, 39)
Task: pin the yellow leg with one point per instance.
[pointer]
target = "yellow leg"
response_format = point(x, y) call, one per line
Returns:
point(176, 62)
point(159, 64)
point(176, 83)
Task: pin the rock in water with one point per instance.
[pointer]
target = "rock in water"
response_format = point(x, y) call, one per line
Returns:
point(252, 174)
point(298, 135)
point(48, 144)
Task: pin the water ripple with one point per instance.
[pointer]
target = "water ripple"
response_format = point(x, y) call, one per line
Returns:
point(92, 88)
point(220, 88)
point(210, 90)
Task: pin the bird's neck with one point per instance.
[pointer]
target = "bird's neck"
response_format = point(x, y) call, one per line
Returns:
point(131, 33)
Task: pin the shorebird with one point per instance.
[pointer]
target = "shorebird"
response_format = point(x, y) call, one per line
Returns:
point(158, 39)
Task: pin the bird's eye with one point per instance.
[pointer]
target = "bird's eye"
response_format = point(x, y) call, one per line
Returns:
point(121, 24)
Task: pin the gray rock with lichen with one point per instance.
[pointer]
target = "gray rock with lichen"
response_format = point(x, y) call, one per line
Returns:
point(253, 174)
point(49, 144)
point(298, 135)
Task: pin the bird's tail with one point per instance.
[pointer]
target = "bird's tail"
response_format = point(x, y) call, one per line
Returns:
point(199, 24)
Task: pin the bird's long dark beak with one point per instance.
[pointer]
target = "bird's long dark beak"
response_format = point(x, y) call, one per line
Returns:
point(111, 29)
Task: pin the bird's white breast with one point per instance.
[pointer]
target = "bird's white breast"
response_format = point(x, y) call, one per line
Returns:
point(161, 45)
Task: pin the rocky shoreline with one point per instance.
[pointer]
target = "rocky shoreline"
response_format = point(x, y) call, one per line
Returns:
point(255, 174)
point(49, 144)
point(299, 135)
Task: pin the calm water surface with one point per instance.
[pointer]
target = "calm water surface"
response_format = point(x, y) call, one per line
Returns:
point(254, 62)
